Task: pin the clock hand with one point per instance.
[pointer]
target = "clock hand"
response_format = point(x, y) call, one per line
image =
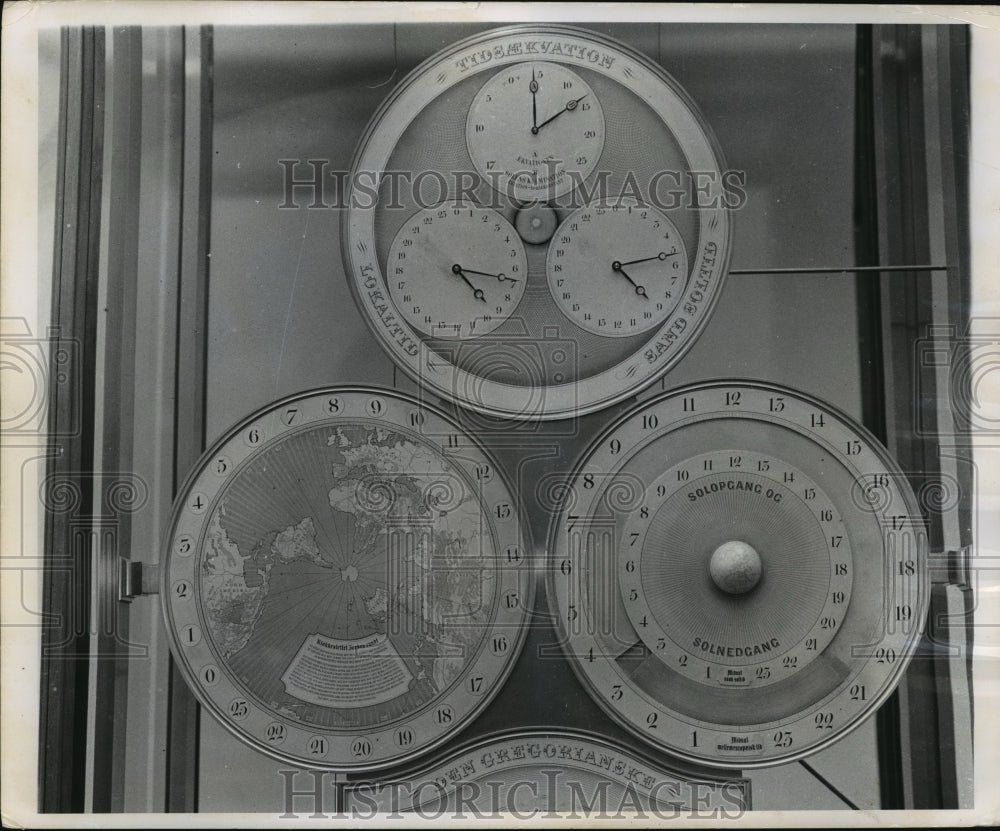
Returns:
point(533, 86)
point(477, 293)
point(640, 290)
point(570, 105)
point(661, 256)
point(501, 277)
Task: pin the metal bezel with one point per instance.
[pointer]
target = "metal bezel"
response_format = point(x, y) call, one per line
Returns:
point(710, 261)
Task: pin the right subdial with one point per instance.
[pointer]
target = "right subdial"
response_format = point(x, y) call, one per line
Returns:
point(617, 268)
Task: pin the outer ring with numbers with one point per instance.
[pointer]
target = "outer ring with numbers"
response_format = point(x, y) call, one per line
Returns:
point(739, 572)
point(500, 560)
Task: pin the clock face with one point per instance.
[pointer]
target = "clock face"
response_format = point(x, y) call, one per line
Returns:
point(345, 579)
point(739, 572)
point(568, 156)
point(537, 150)
point(453, 244)
point(617, 268)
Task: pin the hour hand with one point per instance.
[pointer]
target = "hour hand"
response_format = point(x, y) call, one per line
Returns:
point(640, 290)
point(533, 86)
point(477, 293)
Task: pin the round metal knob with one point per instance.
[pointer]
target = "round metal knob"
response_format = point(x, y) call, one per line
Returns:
point(536, 223)
point(735, 567)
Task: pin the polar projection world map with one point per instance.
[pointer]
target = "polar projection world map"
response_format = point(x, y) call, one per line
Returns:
point(346, 578)
point(342, 573)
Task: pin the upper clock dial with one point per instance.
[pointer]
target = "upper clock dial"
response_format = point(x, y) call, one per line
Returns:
point(535, 130)
point(528, 128)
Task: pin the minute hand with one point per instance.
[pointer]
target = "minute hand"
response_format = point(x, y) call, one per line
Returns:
point(661, 256)
point(501, 277)
point(570, 105)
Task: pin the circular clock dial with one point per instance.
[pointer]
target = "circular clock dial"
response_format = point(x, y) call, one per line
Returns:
point(345, 579)
point(535, 130)
point(739, 572)
point(617, 268)
point(716, 539)
point(457, 271)
point(598, 123)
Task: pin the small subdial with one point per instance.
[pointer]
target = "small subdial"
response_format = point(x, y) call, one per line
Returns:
point(617, 268)
point(535, 130)
point(729, 537)
point(456, 271)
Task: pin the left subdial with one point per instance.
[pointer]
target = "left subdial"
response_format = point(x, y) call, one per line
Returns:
point(456, 271)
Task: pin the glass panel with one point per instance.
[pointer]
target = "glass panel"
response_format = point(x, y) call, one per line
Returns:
point(281, 318)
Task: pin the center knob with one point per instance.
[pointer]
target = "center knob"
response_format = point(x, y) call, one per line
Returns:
point(536, 223)
point(735, 567)
point(349, 574)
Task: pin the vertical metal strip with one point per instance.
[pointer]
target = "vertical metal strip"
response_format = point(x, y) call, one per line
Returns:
point(128, 125)
point(121, 189)
point(66, 582)
point(956, 62)
point(903, 193)
point(944, 104)
point(192, 344)
point(54, 789)
point(941, 678)
point(141, 54)
point(92, 172)
point(940, 203)
point(919, 212)
point(921, 708)
point(866, 240)
point(161, 162)
point(868, 197)
point(195, 213)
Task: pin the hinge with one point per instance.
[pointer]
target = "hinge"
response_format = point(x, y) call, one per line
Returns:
point(136, 577)
point(951, 566)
